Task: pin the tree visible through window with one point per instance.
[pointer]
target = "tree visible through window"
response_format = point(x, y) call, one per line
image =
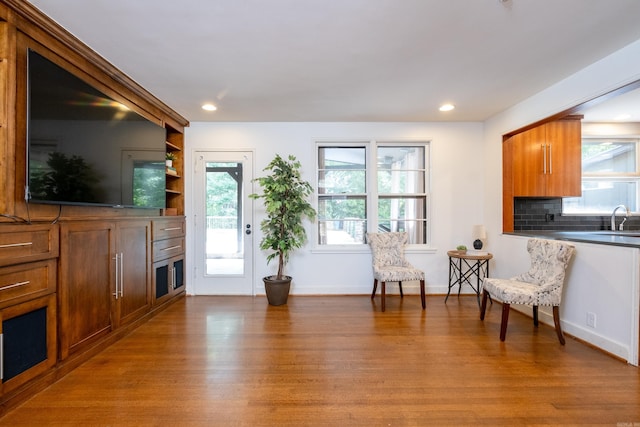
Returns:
point(356, 194)
point(610, 176)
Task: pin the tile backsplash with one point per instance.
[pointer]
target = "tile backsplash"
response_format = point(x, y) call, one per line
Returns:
point(545, 214)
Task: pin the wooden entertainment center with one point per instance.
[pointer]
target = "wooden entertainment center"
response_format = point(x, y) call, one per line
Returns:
point(74, 279)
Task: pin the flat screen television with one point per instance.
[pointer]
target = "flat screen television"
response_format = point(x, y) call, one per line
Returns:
point(85, 148)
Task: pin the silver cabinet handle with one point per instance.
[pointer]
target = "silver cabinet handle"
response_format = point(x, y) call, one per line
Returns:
point(15, 245)
point(14, 285)
point(172, 228)
point(117, 270)
point(544, 159)
point(121, 274)
point(1, 356)
point(172, 248)
point(550, 160)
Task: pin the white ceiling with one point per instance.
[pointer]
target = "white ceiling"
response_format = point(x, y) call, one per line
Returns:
point(347, 60)
point(622, 108)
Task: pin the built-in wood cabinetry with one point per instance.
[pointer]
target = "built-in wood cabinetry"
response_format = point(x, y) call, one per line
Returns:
point(546, 160)
point(28, 324)
point(74, 279)
point(105, 278)
point(168, 258)
point(542, 161)
point(133, 271)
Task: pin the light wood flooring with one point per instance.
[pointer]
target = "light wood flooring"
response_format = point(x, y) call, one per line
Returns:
point(338, 361)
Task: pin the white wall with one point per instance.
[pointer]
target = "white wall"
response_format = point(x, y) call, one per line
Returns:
point(457, 175)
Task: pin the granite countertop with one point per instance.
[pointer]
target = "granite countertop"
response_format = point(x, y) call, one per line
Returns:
point(616, 238)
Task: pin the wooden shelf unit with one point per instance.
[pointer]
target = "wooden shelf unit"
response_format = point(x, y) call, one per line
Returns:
point(44, 279)
point(175, 184)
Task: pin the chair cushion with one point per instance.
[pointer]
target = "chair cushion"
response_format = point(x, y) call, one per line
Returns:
point(516, 292)
point(397, 274)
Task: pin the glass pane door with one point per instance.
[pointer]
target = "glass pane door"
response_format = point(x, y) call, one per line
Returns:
point(224, 227)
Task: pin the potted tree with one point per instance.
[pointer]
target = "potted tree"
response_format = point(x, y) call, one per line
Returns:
point(285, 196)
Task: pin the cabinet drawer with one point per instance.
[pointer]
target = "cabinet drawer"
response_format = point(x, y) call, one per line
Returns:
point(163, 249)
point(167, 228)
point(25, 243)
point(27, 281)
point(29, 340)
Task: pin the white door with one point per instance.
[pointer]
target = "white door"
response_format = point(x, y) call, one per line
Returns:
point(223, 222)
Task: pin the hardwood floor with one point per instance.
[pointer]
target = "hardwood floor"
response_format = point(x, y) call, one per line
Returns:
point(338, 361)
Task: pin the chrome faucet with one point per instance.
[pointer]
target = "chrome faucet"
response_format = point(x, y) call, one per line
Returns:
point(613, 217)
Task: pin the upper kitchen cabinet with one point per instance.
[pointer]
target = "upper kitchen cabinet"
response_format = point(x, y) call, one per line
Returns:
point(546, 159)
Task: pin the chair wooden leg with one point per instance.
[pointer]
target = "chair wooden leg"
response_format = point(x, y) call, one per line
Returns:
point(375, 287)
point(383, 292)
point(535, 315)
point(400, 286)
point(483, 305)
point(556, 321)
point(422, 297)
point(505, 319)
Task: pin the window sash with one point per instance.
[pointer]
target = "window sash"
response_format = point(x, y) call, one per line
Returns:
point(397, 199)
point(610, 176)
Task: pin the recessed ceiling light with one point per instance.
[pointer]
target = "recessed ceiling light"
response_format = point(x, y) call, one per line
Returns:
point(622, 117)
point(447, 107)
point(209, 107)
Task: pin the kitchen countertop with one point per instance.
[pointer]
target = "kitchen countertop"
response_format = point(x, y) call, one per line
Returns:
point(604, 237)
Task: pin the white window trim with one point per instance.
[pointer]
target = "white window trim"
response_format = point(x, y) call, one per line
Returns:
point(371, 146)
point(622, 177)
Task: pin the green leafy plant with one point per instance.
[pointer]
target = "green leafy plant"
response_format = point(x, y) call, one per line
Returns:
point(285, 197)
point(170, 156)
point(461, 248)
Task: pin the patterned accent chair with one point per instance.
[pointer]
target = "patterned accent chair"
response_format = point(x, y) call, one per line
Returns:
point(541, 285)
point(389, 264)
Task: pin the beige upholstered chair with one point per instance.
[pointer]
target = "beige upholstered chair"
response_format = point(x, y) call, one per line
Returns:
point(389, 264)
point(541, 285)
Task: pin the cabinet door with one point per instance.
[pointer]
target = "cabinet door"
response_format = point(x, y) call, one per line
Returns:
point(529, 163)
point(547, 160)
point(86, 285)
point(168, 279)
point(29, 341)
point(161, 281)
point(564, 175)
point(178, 275)
point(132, 298)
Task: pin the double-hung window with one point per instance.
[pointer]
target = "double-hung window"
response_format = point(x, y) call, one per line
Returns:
point(610, 176)
point(372, 186)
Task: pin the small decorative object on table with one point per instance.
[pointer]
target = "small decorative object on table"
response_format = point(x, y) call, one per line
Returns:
point(479, 234)
point(461, 249)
